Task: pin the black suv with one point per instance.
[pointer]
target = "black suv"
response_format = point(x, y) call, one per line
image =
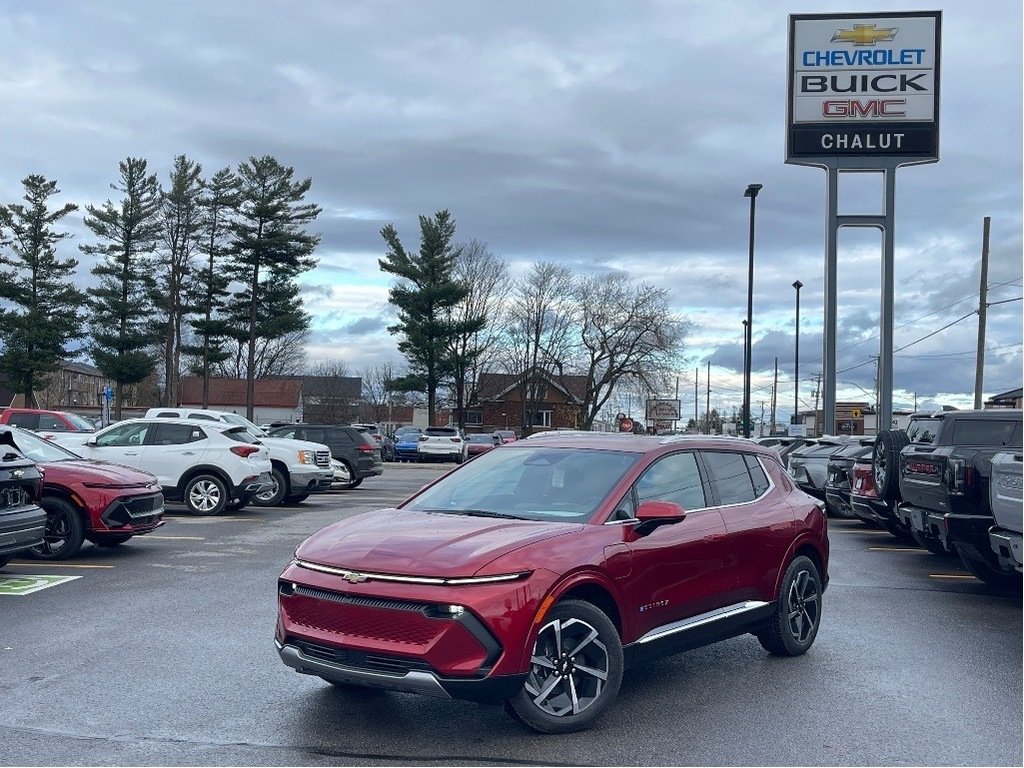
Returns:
point(356, 449)
point(944, 480)
point(22, 521)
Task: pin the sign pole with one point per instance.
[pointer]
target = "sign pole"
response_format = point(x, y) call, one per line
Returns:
point(828, 352)
point(884, 416)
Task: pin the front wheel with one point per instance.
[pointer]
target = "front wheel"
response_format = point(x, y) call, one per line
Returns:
point(275, 494)
point(575, 670)
point(205, 495)
point(296, 499)
point(64, 532)
point(794, 625)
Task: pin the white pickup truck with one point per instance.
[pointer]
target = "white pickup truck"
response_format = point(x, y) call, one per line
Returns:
point(299, 467)
point(1006, 490)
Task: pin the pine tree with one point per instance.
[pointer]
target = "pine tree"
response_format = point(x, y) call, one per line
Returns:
point(425, 297)
point(270, 247)
point(210, 283)
point(122, 324)
point(181, 213)
point(45, 313)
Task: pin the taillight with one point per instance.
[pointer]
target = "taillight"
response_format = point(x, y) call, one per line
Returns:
point(455, 439)
point(365, 448)
point(245, 451)
point(958, 476)
point(423, 438)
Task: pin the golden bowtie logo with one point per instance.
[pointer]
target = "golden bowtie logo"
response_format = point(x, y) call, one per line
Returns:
point(864, 34)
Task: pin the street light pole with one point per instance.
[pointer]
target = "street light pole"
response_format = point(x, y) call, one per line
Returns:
point(796, 356)
point(752, 190)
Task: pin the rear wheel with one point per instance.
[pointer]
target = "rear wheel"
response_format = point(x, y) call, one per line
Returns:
point(274, 495)
point(1000, 580)
point(793, 627)
point(575, 670)
point(64, 531)
point(296, 499)
point(885, 462)
point(205, 495)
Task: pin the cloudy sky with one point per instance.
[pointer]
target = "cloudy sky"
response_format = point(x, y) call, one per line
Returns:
point(602, 135)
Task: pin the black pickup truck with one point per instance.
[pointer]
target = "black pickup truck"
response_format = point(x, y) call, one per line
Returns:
point(22, 521)
point(944, 482)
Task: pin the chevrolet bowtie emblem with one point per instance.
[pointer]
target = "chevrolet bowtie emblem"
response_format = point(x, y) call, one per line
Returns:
point(17, 473)
point(864, 34)
point(355, 578)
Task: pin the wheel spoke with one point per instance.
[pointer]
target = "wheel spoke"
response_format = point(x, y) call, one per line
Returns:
point(542, 661)
point(592, 635)
point(573, 695)
point(546, 690)
point(599, 674)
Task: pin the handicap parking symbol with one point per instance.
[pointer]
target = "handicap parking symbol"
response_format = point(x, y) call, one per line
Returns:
point(25, 585)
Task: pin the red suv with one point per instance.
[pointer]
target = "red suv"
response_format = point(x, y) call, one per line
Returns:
point(532, 575)
point(47, 423)
point(97, 501)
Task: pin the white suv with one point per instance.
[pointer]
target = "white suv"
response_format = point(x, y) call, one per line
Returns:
point(442, 443)
point(299, 467)
point(205, 466)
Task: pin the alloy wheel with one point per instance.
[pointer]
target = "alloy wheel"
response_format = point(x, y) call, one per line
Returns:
point(569, 667)
point(204, 496)
point(270, 493)
point(57, 534)
point(804, 606)
point(879, 465)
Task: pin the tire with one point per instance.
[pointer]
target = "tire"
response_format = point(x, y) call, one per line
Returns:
point(794, 625)
point(546, 702)
point(354, 484)
point(998, 580)
point(296, 499)
point(108, 542)
point(64, 531)
point(885, 462)
point(459, 459)
point(205, 495)
point(275, 496)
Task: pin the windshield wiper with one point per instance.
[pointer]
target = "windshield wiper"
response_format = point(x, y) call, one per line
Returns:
point(476, 513)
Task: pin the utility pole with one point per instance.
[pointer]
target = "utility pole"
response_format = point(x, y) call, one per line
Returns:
point(817, 394)
point(696, 399)
point(761, 431)
point(775, 387)
point(709, 399)
point(979, 371)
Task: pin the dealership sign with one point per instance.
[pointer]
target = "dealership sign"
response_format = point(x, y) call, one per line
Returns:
point(663, 410)
point(863, 87)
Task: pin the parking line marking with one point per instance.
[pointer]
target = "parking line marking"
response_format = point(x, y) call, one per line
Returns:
point(963, 576)
point(900, 549)
point(55, 565)
point(178, 538)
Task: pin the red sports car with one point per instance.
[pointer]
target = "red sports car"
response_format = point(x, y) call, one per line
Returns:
point(532, 575)
point(97, 501)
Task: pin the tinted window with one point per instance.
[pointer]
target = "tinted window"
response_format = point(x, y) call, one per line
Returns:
point(51, 423)
point(124, 434)
point(673, 478)
point(176, 434)
point(729, 477)
point(288, 432)
point(240, 435)
point(168, 415)
point(203, 417)
point(923, 430)
point(79, 423)
point(313, 434)
point(25, 420)
point(442, 432)
point(757, 474)
point(983, 432)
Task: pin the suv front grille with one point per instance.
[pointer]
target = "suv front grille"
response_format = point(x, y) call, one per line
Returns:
point(323, 459)
point(392, 665)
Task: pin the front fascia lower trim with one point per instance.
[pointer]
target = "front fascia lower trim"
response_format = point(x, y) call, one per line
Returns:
point(358, 577)
point(700, 620)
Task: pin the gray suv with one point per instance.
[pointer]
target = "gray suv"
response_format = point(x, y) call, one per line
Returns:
point(357, 450)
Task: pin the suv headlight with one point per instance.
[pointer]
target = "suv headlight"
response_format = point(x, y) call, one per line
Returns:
point(307, 457)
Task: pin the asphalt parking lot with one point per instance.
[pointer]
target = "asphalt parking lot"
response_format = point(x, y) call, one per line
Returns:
point(161, 653)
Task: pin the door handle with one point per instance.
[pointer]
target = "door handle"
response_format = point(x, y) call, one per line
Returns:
point(188, 453)
point(131, 453)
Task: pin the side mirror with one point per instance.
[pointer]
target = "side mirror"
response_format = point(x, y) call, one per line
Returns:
point(655, 513)
point(91, 442)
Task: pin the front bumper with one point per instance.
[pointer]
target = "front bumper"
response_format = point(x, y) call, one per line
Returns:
point(140, 513)
point(1008, 548)
point(310, 480)
point(323, 662)
point(21, 528)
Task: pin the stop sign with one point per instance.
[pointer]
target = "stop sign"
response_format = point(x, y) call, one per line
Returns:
point(625, 425)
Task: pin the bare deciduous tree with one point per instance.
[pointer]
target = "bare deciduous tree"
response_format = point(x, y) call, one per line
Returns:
point(283, 356)
point(378, 389)
point(626, 332)
point(473, 351)
point(539, 331)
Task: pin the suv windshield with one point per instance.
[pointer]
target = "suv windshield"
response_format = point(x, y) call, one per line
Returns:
point(80, 424)
point(534, 483)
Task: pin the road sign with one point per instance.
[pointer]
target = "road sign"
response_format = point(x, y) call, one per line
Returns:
point(625, 425)
point(663, 410)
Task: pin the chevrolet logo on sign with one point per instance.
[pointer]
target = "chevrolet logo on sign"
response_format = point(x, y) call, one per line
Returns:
point(864, 34)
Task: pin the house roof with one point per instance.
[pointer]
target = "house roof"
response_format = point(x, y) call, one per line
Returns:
point(493, 386)
point(269, 393)
point(1013, 394)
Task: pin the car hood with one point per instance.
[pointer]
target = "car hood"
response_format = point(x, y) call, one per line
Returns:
point(291, 444)
point(99, 472)
point(413, 543)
